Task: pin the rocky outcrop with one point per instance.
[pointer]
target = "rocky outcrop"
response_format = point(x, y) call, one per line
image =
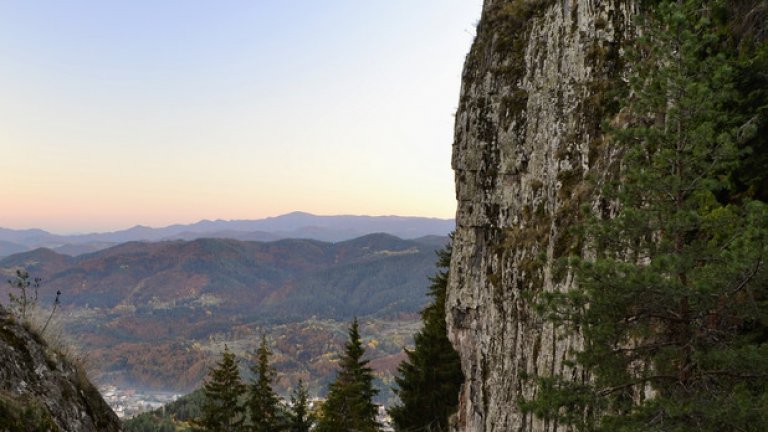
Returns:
point(40, 390)
point(536, 85)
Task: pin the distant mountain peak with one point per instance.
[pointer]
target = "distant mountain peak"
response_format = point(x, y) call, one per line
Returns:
point(138, 227)
point(297, 224)
point(297, 213)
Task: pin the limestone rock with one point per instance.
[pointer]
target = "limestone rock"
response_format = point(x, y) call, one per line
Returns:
point(535, 87)
point(40, 390)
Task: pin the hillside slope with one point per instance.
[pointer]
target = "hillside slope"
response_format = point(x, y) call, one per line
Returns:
point(154, 314)
point(274, 280)
point(40, 390)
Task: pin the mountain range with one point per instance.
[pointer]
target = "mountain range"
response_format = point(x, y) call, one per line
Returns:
point(148, 312)
point(298, 225)
point(377, 273)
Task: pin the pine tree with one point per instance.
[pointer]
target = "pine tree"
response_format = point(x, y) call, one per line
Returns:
point(301, 418)
point(264, 404)
point(349, 406)
point(222, 410)
point(430, 378)
point(673, 306)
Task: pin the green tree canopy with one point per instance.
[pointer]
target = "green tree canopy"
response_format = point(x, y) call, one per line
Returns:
point(301, 417)
point(263, 403)
point(672, 306)
point(429, 380)
point(222, 410)
point(349, 406)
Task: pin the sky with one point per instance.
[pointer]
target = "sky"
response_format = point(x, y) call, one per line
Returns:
point(118, 113)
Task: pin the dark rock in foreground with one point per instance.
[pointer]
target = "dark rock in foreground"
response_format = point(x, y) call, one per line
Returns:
point(42, 390)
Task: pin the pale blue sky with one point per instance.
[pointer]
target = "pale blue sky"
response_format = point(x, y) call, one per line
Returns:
point(116, 113)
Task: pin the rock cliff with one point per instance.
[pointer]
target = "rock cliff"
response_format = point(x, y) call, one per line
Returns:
point(40, 390)
point(535, 87)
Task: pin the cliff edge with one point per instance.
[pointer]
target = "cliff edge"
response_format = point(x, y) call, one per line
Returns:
point(41, 390)
point(535, 88)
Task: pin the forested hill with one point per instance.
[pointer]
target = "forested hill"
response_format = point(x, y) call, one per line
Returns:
point(284, 279)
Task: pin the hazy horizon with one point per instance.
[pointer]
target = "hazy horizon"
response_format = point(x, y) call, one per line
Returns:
point(123, 228)
point(118, 114)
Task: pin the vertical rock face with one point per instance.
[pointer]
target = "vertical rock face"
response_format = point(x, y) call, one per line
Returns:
point(40, 390)
point(535, 88)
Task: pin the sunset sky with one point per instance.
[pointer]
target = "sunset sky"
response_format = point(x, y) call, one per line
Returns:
point(117, 113)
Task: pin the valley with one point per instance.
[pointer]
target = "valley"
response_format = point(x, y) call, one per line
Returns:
point(156, 315)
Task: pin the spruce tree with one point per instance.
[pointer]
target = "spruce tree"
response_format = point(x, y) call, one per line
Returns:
point(222, 410)
point(349, 406)
point(673, 304)
point(429, 380)
point(301, 418)
point(263, 403)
